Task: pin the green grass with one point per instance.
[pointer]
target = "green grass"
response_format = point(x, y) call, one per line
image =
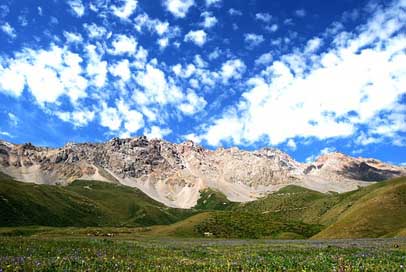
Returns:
point(254, 226)
point(379, 213)
point(83, 203)
point(213, 200)
point(90, 254)
point(291, 213)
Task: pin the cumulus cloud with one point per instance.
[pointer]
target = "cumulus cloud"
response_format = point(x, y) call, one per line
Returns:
point(291, 144)
point(264, 59)
point(73, 37)
point(156, 87)
point(126, 9)
point(133, 120)
point(94, 31)
point(110, 118)
point(234, 12)
point(360, 78)
point(272, 28)
point(9, 30)
point(313, 45)
point(123, 44)
point(121, 69)
point(13, 119)
point(209, 20)
point(193, 103)
point(47, 74)
point(198, 37)
point(300, 13)
point(264, 17)
point(156, 132)
point(253, 40)
point(96, 67)
point(232, 69)
point(77, 7)
point(212, 2)
point(178, 8)
point(79, 118)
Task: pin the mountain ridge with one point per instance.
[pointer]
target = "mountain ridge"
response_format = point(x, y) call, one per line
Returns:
point(174, 174)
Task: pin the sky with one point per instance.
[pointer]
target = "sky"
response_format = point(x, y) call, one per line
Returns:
point(307, 77)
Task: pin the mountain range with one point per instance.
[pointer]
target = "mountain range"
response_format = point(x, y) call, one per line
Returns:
point(176, 174)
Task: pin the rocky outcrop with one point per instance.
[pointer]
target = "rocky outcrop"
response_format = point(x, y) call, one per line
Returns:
point(175, 173)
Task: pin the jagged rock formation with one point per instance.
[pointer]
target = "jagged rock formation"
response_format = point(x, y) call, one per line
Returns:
point(175, 173)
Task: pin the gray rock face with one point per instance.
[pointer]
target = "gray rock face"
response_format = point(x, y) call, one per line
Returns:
point(175, 173)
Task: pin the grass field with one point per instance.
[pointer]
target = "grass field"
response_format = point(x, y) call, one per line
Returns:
point(113, 254)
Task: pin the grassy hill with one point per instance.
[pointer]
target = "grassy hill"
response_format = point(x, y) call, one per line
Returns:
point(213, 200)
point(381, 212)
point(378, 210)
point(82, 203)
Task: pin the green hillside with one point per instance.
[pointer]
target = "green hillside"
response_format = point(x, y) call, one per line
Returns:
point(213, 200)
point(379, 213)
point(378, 210)
point(83, 203)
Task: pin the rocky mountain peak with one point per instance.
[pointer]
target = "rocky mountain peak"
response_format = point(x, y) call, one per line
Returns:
point(174, 174)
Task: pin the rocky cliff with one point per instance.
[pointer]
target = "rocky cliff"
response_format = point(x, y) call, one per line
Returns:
point(175, 173)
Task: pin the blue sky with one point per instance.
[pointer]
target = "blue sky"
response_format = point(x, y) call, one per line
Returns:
point(307, 77)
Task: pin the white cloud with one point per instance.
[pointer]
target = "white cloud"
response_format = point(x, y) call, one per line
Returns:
point(212, 2)
point(156, 88)
point(198, 37)
point(94, 31)
point(313, 45)
point(73, 37)
point(163, 43)
point(178, 8)
point(355, 83)
point(184, 72)
point(78, 9)
point(234, 12)
point(14, 120)
point(126, 10)
point(272, 28)
point(300, 13)
point(264, 17)
point(192, 137)
point(9, 30)
point(161, 27)
point(121, 69)
point(226, 128)
point(232, 69)
point(47, 74)
point(253, 40)
point(5, 133)
point(110, 118)
point(133, 120)
point(71, 77)
point(12, 79)
point(291, 144)
point(209, 20)
point(156, 132)
point(80, 118)
point(96, 68)
point(193, 103)
point(123, 44)
point(264, 59)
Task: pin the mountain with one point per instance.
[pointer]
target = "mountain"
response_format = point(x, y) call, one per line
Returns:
point(175, 174)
